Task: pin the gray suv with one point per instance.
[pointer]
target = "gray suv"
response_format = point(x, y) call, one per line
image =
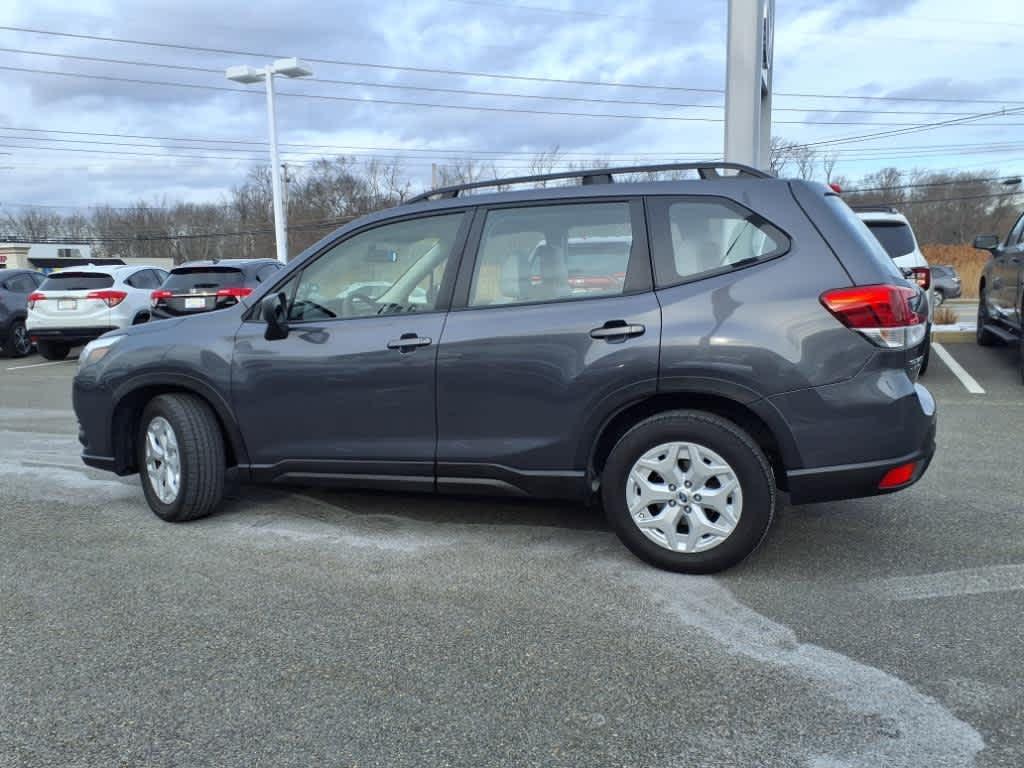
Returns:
point(732, 336)
point(16, 285)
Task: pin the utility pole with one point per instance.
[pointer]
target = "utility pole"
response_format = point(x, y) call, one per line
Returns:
point(433, 175)
point(748, 87)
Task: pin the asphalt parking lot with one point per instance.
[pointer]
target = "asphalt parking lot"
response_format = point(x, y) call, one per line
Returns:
point(302, 628)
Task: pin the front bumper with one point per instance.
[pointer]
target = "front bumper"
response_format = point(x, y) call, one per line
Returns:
point(72, 336)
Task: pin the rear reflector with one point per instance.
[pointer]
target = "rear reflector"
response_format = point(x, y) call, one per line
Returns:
point(884, 314)
point(898, 476)
point(110, 298)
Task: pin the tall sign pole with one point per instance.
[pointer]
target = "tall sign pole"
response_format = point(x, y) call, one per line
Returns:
point(748, 86)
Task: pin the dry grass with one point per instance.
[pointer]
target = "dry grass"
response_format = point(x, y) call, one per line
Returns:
point(967, 260)
point(944, 316)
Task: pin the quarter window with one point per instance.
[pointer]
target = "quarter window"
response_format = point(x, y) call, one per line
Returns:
point(391, 269)
point(552, 253)
point(697, 238)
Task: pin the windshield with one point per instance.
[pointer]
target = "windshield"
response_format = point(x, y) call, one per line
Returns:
point(199, 278)
point(76, 281)
point(895, 237)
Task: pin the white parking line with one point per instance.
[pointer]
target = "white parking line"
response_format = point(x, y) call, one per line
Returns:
point(970, 383)
point(970, 581)
point(42, 365)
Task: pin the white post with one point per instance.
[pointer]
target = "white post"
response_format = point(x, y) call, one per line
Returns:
point(748, 82)
point(280, 224)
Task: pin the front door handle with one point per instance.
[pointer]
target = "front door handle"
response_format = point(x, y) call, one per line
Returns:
point(408, 342)
point(617, 329)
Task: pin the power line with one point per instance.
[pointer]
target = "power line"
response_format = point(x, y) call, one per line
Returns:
point(489, 75)
point(470, 92)
point(477, 108)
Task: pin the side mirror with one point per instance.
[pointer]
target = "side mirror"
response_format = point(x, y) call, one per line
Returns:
point(274, 311)
point(986, 242)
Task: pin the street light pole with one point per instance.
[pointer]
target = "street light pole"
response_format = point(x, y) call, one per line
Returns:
point(280, 213)
point(247, 75)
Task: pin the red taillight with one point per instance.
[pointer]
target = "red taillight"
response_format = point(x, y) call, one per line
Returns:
point(922, 276)
point(898, 476)
point(110, 298)
point(156, 296)
point(233, 293)
point(34, 297)
point(885, 314)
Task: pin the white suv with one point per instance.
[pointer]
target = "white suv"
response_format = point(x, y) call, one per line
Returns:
point(75, 305)
point(893, 231)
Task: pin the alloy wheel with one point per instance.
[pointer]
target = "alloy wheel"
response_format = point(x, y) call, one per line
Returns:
point(684, 497)
point(163, 461)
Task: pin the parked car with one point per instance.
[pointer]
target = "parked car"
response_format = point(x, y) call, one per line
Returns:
point(15, 287)
point(897, 237)
point(208, 285)
point(761, 341)
point(1001, 290)
point(945, 283)
point(74, 306)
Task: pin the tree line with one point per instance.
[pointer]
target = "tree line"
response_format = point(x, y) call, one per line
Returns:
point(944, 207)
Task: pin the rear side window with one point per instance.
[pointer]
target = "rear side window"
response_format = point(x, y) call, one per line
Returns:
point(552, 253)
point(21, 284)
point(77, 281)
point(895, 237)
point(203, 278)
point(699, 237)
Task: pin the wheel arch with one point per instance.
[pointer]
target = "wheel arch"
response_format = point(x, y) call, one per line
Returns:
point(131, 398)
point(759, 419)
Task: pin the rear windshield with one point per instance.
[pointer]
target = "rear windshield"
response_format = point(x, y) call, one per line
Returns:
point(76, 281)
point(188, 278)
point(895, 237)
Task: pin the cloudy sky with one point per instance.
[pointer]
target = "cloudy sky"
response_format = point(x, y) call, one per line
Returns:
point(76, 132)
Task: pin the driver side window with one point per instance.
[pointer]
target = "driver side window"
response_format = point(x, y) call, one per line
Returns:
point(390, 269)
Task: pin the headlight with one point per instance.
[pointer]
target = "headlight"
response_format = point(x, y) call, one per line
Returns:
point(96, 350)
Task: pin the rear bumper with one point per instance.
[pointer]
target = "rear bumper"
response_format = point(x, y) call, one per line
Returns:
point(854, 481)
point(72, 336)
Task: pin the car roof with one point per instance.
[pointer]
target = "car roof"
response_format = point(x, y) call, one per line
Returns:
point(224, 263)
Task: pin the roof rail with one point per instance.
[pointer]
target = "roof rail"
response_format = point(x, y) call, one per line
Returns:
point(706, 170)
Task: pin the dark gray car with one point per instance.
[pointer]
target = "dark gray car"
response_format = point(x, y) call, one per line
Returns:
point(752, 338)
point(15, 287)
point(1001, 291)
point(945, 284)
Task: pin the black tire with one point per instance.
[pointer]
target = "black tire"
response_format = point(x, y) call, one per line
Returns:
point(201, 456)
point(927, 354)
point(984, 336)
point(938, 298)
point(1020, 358)
point(53, 350)
point(139, 319)
point(17, 343)
point(735, 446)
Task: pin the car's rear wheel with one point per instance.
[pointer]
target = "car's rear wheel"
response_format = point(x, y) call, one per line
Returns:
point(53, 350)
point(689, 491)
point(17, 344)
point(926, 358)
point(937, 298)
point(181, 457)
point(984, 336)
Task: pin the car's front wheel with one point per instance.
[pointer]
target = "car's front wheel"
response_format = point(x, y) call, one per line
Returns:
point(52, 350)
point(689, 491)
point(181, 457)
point(18, 344)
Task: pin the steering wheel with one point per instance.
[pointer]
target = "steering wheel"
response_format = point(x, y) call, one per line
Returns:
point(348, 304)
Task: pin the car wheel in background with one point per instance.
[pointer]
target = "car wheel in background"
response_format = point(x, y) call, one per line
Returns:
point(984, 336)
point(18, 344)
point(53, 350)
point(927, 357)
point(937, 298)
point(688, 491)
point(181, 458)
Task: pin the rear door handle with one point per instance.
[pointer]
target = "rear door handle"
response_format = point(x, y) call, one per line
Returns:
point(408, 342)
point(617, 329)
